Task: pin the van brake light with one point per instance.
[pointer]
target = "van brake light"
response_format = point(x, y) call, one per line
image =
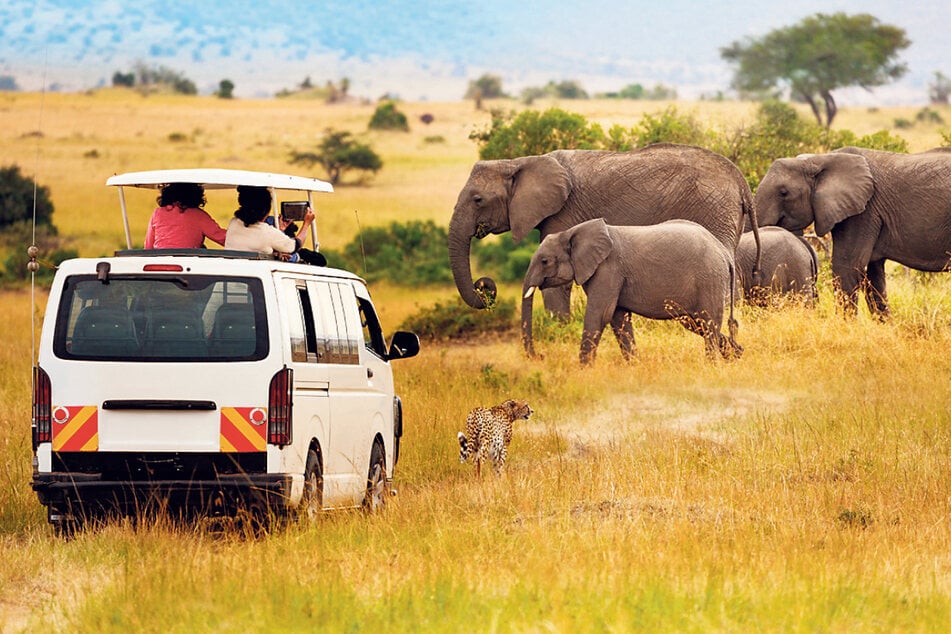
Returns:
point(42, 407)
point(175, 268)
point(280, 407)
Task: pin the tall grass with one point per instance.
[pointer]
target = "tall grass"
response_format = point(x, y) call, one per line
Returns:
point(802, 487)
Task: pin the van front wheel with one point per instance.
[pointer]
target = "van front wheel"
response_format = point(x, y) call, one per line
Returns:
point(312, 501)
point(375, 498)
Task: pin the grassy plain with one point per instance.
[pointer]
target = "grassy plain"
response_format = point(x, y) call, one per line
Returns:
point(804, 487)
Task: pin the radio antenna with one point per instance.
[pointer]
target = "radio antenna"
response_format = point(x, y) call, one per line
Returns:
point(363, 251)
point(33, 265)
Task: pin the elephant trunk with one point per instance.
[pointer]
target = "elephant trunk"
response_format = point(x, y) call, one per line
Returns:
point(460, 238)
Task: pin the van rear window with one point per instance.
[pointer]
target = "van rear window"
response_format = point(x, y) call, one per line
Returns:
point(162, 318)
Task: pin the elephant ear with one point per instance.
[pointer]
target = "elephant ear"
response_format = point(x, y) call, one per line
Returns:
point(589, 244)
point(540, 188)
point(844, 185)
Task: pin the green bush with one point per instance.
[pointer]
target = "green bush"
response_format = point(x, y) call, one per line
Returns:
point(456, 320)
point(17, 198)
point(414, 252)
point(668, 126)
point(387, 117)
point(532, 132)
point(503, 258)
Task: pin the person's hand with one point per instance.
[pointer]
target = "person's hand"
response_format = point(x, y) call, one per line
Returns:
point(309, 217)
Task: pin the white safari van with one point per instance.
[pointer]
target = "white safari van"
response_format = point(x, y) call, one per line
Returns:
point(206, 377)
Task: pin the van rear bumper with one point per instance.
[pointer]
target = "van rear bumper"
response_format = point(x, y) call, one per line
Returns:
point(71, 493)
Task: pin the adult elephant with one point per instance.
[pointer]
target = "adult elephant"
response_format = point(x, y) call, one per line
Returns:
point(877, 205)
point(561, 189)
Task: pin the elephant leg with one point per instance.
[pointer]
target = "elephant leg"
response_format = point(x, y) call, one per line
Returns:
point(589, 345)
point(558, 300)
point(623, 328)
point(849, 262)
point(875, 294)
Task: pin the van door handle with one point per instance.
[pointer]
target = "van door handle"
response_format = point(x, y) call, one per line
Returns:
point(369, 373)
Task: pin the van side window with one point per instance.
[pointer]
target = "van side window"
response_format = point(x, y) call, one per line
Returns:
point(372, 332)
point(295, 321)
point(336, 338)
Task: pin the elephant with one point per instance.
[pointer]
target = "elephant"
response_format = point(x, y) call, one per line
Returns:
point(789, 266)
point(561, 189)
point(878, 206)
point(672, 270)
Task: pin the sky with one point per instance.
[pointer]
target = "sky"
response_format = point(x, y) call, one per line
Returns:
point(431, 50)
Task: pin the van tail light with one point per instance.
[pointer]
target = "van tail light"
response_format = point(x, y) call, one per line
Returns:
point(42, 399)
point(279, 408)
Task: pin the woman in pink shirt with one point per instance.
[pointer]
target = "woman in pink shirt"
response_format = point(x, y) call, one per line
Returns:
point(179, 222)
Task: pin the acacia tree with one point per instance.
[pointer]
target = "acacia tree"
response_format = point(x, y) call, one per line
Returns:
point(339, 152)
point(818, 55)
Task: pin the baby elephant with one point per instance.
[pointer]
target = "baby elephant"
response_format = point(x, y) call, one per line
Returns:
point(789, 266)
point(672, 270)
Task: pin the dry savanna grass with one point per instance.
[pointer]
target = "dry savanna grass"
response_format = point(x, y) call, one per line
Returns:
point(802, 487)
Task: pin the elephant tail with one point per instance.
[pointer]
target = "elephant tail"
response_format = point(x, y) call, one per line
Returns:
point(464, 449)
point(757, 274)
point(734, 327)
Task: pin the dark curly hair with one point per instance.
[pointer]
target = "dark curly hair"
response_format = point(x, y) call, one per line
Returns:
point(254, 204)
point(185, 194)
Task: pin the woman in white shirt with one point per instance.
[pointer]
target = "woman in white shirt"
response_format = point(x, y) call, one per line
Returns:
point(248, 230)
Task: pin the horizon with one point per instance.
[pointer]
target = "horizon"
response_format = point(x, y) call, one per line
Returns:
point(431, 52)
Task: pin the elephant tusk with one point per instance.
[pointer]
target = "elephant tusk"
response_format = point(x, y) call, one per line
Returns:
point(529, 292)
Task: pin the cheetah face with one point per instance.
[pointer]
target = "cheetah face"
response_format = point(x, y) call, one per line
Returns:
point(518, 408)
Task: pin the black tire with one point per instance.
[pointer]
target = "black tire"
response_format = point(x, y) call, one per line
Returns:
point(375, 498)
point(311, 503)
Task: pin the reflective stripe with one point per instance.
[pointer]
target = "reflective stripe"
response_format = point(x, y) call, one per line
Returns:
point(243, 429)
point(75, 428)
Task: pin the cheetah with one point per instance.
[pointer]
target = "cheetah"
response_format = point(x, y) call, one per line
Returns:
point(489, 432)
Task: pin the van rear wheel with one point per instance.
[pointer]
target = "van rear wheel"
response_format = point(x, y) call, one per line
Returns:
point(375, 498)
point(313, 498)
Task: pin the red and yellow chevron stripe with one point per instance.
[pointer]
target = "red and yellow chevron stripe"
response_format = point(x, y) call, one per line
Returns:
point(75, 428)
point(243, 429)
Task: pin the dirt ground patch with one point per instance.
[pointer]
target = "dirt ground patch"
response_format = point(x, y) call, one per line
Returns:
point(707, 414)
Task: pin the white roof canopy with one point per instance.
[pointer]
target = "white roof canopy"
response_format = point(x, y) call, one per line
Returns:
point(212, 178)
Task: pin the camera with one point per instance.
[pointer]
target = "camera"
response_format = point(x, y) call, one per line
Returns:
point(294, 210)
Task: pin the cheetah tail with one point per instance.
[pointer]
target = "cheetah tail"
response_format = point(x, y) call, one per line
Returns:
point(463, 447)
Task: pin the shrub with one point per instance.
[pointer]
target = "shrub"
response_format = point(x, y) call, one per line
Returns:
point(532, 132)
point(504, 259)
point(409, 253)
point(387, 117)
point(16, 199)
point(456, 320)
point(667, 127)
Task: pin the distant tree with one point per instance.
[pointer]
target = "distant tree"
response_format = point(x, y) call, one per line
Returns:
point(16, 199)
point(123, 79)
point(659, 92)
point(225, 89)
point(939, 90)
point(817, 56)
point(339, 152)
point(485, 87)
point(387, 117)
point(8, 83)
point(568, 89)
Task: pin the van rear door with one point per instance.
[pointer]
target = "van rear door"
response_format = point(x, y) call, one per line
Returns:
point(150, 363)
